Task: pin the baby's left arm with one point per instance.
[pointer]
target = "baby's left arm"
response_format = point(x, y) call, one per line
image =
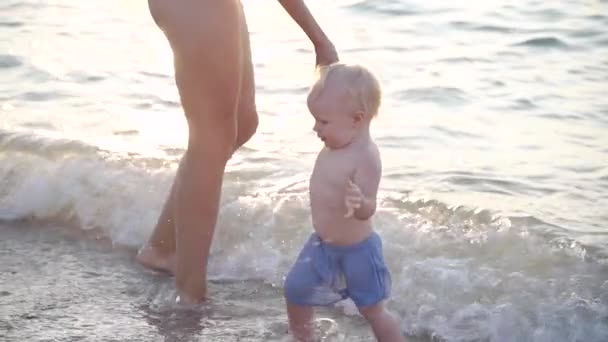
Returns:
point(367, 180)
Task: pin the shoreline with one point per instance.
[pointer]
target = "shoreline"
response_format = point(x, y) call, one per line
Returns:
point(60, 285)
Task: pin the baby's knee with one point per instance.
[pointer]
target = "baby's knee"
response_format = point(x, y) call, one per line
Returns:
point(299, 288)
point(293, 289)
point(373, 312)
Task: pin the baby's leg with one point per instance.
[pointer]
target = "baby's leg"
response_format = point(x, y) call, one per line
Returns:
point(299, 289)
point(369, 281)
point(300, 322)
point(383, 323)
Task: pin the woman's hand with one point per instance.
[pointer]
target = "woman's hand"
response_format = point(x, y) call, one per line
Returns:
point(324, 48)
point(326, 54)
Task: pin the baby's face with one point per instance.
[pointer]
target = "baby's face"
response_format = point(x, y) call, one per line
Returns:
point(336, 122)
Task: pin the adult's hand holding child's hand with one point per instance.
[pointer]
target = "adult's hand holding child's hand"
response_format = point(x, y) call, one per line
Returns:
point(326, 54)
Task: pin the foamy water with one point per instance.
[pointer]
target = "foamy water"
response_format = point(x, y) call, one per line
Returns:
point(492, 132)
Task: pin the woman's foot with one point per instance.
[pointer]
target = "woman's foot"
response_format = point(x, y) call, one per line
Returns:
point(151, 258)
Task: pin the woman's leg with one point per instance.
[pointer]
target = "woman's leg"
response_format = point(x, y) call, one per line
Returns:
point(206, 38)
point(159, 252)
point(246, 111)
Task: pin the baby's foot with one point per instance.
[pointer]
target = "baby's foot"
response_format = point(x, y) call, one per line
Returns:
point(325, 328)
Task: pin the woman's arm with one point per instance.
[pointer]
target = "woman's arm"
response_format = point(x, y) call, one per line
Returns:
point(324, 48)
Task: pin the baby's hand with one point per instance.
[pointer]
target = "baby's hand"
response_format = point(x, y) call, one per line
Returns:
point(353, 198)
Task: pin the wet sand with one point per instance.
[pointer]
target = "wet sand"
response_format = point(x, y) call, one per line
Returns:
point(60, 284)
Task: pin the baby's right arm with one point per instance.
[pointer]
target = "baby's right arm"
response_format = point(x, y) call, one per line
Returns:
point(367, 179)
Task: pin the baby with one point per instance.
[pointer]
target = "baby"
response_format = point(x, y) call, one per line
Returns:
point(343, 257)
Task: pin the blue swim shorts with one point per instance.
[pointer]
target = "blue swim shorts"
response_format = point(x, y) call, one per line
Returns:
point(324, 274)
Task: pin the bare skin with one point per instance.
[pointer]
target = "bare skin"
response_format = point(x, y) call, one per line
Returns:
point(343, 189)
point(346, 175)
point(214, 76)
point(336, 175)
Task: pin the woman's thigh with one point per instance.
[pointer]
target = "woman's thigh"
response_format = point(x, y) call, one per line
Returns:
point(207, 43)
point(246, 109)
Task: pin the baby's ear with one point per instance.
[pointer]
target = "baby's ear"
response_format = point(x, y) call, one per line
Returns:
point(359, 116)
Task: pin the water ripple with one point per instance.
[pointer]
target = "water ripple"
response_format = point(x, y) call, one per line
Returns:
point(392, 8)
point(511, 187)
point(39, 96)
point(493, 28)
point(11, 23)
point(586, 33)
point(10, 61)
point(544, 42)
point(437, 95)
point(561, 116)
point(84, 77)
point(452, 132)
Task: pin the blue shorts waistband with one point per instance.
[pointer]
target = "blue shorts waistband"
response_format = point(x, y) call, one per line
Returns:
point(349, 248)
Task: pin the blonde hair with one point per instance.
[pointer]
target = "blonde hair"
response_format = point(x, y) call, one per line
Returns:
point(359, 82)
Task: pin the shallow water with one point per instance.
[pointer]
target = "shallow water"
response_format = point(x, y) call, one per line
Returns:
point(492, 131)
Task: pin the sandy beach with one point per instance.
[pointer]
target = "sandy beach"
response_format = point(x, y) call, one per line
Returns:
point(59, 284)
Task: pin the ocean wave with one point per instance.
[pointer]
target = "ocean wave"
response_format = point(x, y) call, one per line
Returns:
point(458, 273)
point(21, 142)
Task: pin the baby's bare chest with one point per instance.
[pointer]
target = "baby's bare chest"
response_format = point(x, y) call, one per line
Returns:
point(330, 177)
